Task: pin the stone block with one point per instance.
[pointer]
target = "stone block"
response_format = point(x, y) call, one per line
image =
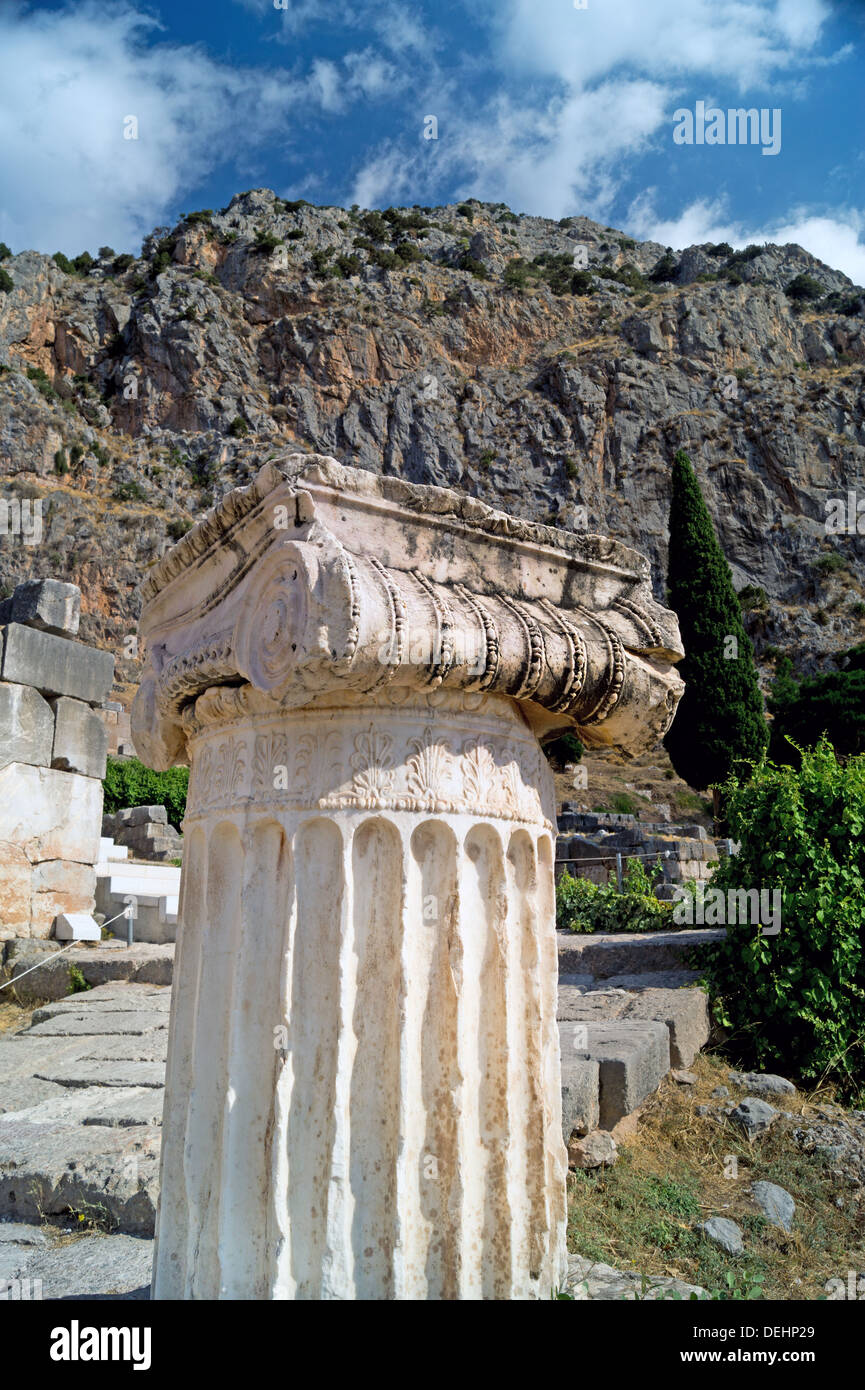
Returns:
point(684, 1011)
point(55, 665)
point(633, 1058)
point(80, 739)
point(48, 604)
point(142, 815)
point(76, 926)
point(580, 1112)
point(50, 814)
point(60, 886)
point(115, 1169)
point(26, 726)
point(16, 873)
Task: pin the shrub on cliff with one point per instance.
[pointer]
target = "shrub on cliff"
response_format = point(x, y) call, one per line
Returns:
point(795, 1001)
point(720, 717)
point(128, 782)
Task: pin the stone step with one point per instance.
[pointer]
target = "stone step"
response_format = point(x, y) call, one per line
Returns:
point(50, 1263)
point(106, 1172)
point(629, 1058)
point(607, 954)
point(142, 963)
point(684, 1012)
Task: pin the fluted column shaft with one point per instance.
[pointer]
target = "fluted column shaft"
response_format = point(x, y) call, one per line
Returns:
point(363, 1075)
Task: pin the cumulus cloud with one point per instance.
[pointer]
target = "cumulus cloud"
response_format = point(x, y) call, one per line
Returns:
point(835, 237)
point(68, 81)
point(580, 95)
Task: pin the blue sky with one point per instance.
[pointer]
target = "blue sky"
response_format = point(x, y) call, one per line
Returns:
point(551, 108)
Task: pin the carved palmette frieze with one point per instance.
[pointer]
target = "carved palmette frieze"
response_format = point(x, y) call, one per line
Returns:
point(304, 762)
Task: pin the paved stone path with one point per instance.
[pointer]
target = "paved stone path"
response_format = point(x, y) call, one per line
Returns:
point(80, 1115)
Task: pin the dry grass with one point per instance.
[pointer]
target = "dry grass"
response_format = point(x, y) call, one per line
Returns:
point(640, 1214)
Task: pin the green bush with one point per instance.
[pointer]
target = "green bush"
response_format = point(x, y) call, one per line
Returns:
point(374, 225)
point(665, 268)
point(829, 702)
point(473, 265)
point(6, 282)
point(128, 782)
point(129, 492)
point(63, 262)
point(804, 287)
point(238, 427)
point(564, 749)
point(5, 251)
point(41, 382)
point(795, 1001)
point(586, 907)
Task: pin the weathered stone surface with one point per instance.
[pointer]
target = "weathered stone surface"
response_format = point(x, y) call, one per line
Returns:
point(50, 1169)
point(26, 726)
point(125, 1106)
point(592, 1280)
point(140, 815)
point(55, 665)
point(18, 1233)
point(754, 1116)
point(80, 740)
point(48, 604)
point(109, 998)
point(686, 1014)
point(136, 1022)
point(775, 1203)
point(684, 1078)
point(580, 1105)
point(125, 1047)
point(50, 814)
point(76, 926)
point(627, 953)
point(59, 886)
point(16, 874)
point(633, 1058)
point(763, 1083)
point(141, 963)
point(79, 1073)
point(86, 1267)
point(724, 1232)
point(595, 1150)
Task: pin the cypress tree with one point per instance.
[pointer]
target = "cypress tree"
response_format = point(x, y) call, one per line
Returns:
point(720, 717)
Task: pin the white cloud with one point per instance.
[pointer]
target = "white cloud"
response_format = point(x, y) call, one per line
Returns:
point(69, 78)
point(739, 41)
point(581, 94)
point(835, 237)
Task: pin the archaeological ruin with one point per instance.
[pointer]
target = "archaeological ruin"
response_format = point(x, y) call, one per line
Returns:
point(363, 1094)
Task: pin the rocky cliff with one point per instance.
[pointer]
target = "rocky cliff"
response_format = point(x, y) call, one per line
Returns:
point(548, 368)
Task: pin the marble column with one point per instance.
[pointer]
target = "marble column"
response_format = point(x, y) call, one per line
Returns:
point(363, 1090)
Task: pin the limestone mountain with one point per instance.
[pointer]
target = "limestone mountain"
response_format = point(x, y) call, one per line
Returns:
point(552, 369)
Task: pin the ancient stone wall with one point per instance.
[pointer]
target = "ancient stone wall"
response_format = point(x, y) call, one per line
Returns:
point(52, 758)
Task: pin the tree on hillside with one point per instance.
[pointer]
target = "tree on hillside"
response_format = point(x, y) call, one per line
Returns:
point(830, 702)
point(720, 719)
